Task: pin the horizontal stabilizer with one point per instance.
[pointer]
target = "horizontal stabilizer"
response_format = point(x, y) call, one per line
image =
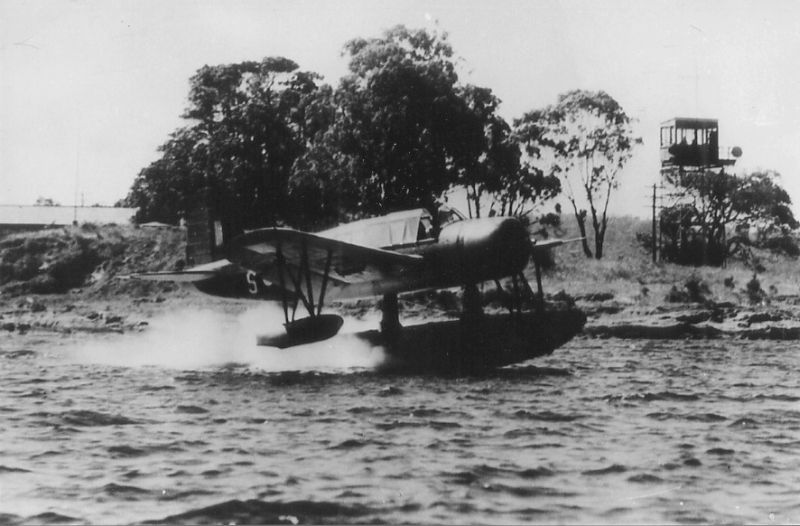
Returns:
point(185, 276)
point(190, 275)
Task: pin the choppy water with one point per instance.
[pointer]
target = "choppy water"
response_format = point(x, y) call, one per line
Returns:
point(602, 431)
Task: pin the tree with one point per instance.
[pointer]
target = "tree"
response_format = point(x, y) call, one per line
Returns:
point(45, 201)
point(249, 123)
point(716, 203)
point(402, 127)
point(489, 154)
point(266, 143)
point(170, 187)
point(520, 192)
point(587, 138)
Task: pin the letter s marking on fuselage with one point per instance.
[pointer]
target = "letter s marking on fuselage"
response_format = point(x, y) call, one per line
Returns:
point(252, 284)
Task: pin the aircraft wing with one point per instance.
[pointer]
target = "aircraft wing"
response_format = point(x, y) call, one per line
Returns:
point(349, 270)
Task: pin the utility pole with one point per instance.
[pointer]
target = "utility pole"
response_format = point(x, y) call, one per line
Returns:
point(77, 181)
point(654, 240)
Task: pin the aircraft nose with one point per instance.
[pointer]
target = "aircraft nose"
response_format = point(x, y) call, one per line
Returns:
point(510, 243)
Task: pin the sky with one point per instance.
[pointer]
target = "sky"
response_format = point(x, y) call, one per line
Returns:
point(90, 88)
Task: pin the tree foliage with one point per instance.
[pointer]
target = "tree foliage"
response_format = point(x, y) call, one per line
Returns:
point(45, 201)
point(587, 138)
point(249, 126)
point(719, 211)
point(403, 128)
point(266, 142)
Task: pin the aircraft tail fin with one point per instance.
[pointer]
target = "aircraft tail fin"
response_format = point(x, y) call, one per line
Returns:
point(205, 239)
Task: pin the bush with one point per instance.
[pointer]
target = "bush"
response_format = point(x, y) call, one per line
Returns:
point(754, 291)
point(785, 244)
point(694, 291)
point(645, 240)
point(72, 267)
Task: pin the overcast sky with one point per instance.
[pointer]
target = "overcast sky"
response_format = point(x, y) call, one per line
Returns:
point(90, 89)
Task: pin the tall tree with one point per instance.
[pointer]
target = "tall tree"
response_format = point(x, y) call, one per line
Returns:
point(266, 143)
point(402, 124)
point(249, 123)
point(588, 139)
point(170, 187)
point(489, 158)
point(522, 192)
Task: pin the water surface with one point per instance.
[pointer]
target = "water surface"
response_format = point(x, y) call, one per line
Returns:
point(602, 431)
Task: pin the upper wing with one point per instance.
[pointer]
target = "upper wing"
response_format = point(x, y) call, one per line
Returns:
point(349, 270)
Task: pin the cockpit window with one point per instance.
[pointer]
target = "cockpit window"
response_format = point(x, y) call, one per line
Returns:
point(425, 229)
point(449, 215)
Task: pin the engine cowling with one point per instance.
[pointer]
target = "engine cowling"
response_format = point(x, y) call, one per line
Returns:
point(477, 250)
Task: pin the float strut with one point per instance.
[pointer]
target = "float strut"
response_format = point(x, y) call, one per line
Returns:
point(471, 303)
point(539, 289)
point(390, 322)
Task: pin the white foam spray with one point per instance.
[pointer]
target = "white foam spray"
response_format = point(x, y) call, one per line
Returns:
point(200, 339)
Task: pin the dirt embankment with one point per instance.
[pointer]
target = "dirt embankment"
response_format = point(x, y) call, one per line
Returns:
point(75, 279)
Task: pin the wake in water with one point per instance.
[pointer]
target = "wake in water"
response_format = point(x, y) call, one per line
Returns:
point(199, 339)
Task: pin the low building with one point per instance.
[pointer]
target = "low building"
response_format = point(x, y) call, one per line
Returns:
point(18, 218)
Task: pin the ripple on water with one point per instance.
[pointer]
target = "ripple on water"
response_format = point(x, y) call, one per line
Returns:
point(609, 470)
point(691, 417)
point(191, 409)
point(124, 491)
point(49, 518)
point(261, 512)
point(547, 416)
point(645, 478)
point(653, 397)
point(523, 445)
point(21, 353)
point(482, 474)
point(84, 418)
point(11, 469)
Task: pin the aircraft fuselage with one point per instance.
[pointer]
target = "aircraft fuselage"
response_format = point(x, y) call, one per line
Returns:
point(465, 252)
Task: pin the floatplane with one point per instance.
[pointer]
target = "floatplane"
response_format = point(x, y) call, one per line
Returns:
point(383, 257)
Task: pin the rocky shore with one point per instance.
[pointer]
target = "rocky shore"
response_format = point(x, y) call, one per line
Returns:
point(607, 316)
point(710, 320)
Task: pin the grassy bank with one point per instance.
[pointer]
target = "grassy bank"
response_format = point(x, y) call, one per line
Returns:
point(628, 272)
point(73, 280)
point(91, 262)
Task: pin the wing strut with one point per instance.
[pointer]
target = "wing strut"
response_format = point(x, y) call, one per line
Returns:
point(301, 282)
point(298, 289)
point(282, 282)
point(304, 267)
point(328, 261)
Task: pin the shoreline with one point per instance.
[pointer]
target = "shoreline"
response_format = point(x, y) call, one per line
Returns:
point(607, 316)
point(625, 295)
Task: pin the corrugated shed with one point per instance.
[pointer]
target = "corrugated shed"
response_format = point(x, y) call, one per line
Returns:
point(63, 215)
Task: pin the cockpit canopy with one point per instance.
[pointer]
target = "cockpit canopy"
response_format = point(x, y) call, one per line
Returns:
point(395, 230)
